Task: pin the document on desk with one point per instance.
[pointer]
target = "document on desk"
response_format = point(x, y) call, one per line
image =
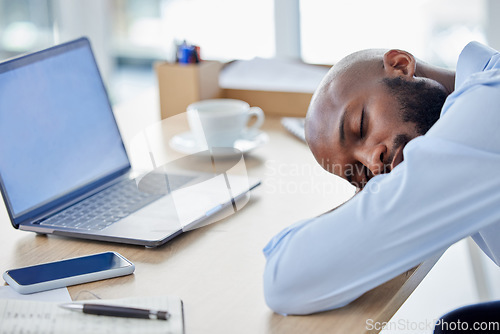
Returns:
point(295, 125)
point(273, 75)
point(22, 316)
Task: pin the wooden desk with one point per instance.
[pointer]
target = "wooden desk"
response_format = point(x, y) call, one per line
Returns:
point(217, 270)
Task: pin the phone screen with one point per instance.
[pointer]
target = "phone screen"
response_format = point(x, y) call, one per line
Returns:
point(67, 268)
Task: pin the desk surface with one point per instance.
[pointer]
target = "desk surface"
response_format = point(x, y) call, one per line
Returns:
point(217, 270)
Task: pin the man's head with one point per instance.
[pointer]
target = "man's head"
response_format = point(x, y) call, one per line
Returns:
point(367, 108)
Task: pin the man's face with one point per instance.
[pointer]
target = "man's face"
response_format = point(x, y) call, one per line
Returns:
point(365, 124)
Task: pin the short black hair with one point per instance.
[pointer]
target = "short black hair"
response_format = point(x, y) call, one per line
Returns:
point(420, 102)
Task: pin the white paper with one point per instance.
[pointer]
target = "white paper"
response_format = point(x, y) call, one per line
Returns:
point(295, 125)
point(22, 316)
point(272, 75)
point(56, 295)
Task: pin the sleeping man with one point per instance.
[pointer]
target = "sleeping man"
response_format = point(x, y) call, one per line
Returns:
point(423, 146)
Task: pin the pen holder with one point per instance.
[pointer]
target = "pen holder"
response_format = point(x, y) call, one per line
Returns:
point(182, 84)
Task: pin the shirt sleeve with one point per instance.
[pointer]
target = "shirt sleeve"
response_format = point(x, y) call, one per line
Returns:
point(445, 189)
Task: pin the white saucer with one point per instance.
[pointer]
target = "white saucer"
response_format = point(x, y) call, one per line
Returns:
point(186, 144)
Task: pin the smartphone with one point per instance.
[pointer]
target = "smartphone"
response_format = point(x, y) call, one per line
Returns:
point(53, 275)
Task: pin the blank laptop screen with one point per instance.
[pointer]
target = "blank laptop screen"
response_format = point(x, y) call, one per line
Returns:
point(57, 130)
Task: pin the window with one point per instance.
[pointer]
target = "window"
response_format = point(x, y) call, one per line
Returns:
point(25, 25)
point(435, 31)
point(224, 29)
point(128, 35)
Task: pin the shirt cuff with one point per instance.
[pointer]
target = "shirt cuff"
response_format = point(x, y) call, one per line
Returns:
point(276, 240)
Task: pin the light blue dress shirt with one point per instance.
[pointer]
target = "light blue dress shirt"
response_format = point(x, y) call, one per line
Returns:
point(447, 188)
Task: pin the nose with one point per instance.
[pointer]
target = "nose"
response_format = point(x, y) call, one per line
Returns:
point(373, 158)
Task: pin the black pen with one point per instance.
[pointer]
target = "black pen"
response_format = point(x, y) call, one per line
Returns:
point(117, 311)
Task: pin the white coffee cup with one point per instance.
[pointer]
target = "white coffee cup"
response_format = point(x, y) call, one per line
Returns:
point(220, 122)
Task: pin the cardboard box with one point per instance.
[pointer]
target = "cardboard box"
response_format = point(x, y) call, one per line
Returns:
point(183, 84)
point(273, 103)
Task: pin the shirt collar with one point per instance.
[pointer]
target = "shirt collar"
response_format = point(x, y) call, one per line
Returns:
point(474, 58)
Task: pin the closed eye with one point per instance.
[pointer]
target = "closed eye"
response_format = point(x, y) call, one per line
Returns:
point(361, 134)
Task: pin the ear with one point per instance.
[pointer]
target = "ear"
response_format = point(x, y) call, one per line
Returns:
point(399, 63)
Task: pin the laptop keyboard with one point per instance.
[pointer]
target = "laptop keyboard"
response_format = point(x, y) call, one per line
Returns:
point(114, 203)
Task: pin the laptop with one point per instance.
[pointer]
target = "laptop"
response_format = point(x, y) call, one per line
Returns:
point(64, 169)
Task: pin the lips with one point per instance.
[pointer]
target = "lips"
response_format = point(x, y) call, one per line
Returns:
point(398, 156)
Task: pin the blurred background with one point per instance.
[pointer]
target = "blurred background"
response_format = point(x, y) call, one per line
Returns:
point(129, 35)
